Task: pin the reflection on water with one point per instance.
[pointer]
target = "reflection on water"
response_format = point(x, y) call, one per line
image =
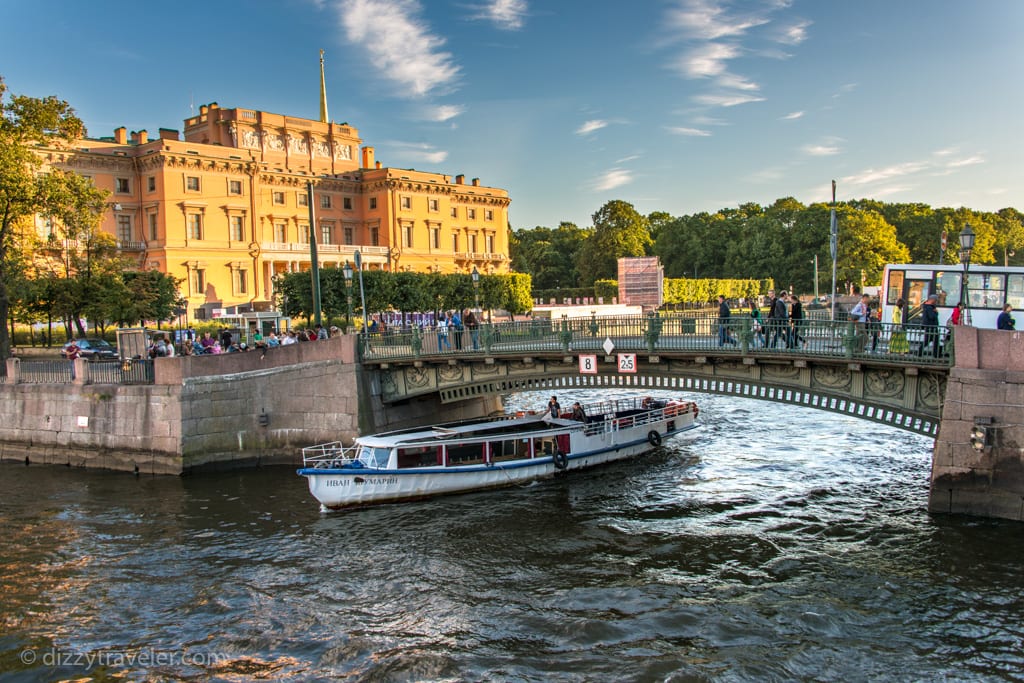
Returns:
point(772, 543)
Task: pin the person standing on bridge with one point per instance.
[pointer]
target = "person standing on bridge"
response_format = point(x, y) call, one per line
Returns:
point(1005, 321)
point(796, 319)
point(778, 319)
point(898, 341)
point(930, 323)
point(723, 322)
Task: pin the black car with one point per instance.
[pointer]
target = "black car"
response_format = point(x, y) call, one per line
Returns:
point(92, 349)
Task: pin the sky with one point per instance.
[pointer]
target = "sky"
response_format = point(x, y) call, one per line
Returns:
point(680, 106)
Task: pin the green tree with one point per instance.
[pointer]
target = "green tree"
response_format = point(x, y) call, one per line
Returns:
point(24, 191)
point(619, 231)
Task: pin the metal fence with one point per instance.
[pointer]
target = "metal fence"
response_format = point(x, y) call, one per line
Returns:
point(738, 335)
point(46, 371)
point(137, 371)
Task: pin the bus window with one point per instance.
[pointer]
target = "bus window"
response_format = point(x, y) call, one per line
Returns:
point(894, 289)
point(1015, 291)
point(985, 290)
point(947, 287)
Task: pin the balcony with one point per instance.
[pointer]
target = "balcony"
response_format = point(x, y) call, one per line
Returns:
point(131, 246)
point(348, 251)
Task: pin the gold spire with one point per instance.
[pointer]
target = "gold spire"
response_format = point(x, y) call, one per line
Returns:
point(323, 91)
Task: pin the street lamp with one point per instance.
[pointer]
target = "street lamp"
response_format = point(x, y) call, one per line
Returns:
point(362, 292)
point(347, 272)
point(966, 245)
point(476, 286)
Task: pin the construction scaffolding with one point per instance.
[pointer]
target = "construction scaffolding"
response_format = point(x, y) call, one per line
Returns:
point(640, 282)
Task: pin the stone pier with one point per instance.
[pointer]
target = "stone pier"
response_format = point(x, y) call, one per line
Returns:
point(985, 391)
point(210, 412)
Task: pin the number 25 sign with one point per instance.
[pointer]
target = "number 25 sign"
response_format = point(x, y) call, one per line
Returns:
point(627, 362)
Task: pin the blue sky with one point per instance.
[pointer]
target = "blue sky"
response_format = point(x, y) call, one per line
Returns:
point(672, 105)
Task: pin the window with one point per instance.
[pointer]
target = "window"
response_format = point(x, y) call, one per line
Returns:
point(435, 238)
point(407, 235)
point(455, 212)
point(152, 226)
point(349, 236)
point(278, 198)
point(325, 233)
point(192, 183)
point(471, 214)
point(325, 201)
point(237, 229)
point(195, 226)
point(489, 239)
point(197, 279)
point(151, 183)
point(455, 244)
point(488, 215)
point(122, 186)
point(124, 229)
point(986, 290)
point(302, 199)
point(234, 187)
point(304, 233)
point(406, 202)
point(241, 281)
point(1015, 291)
point(346, 203)
point(280, 232)
point(374, 237)
point(432, 205)
point(472, 244)
point(373, 202)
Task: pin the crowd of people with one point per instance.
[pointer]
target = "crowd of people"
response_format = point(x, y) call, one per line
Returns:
point(227, 341)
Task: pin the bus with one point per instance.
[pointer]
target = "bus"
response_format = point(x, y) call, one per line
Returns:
point(987, 289)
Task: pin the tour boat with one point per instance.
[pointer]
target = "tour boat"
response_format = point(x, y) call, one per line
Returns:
point(487, 453)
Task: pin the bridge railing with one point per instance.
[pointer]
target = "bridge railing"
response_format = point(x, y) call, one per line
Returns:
point(697, 334)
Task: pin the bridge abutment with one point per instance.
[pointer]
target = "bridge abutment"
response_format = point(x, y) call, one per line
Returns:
point(984, 395)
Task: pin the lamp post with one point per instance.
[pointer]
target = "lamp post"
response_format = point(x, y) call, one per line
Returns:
point(476, 287)
point(314, 260)
point(347, 272)
point(362, 292)
point(966, 245)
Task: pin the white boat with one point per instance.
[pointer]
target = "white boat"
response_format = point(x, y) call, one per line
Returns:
point(487, 453)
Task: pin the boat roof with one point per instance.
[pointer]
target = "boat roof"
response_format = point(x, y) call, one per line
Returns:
point(477, 429)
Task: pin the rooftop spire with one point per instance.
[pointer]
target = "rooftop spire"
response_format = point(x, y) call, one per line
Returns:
point(323, 91)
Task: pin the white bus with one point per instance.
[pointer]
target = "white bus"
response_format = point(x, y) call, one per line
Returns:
point(988, 288)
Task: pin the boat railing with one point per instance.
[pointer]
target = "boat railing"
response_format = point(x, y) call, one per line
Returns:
point(327, 455)
point(638, 411)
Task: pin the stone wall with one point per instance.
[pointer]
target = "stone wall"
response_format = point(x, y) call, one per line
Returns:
point(986, 385)
point(207, 412)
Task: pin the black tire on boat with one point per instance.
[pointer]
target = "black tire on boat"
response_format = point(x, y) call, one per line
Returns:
point(654, 438)
point(560, 459)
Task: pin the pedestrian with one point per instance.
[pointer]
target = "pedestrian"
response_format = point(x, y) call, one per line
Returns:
point(930, 324)
point(474, 329)
point(757, 324)
point(861, 315)
point(778, 319)
point(553, 407)
point(796, 321)
point(442, 333)
point(1005, 321)
point(724, 313)
point(898, 341)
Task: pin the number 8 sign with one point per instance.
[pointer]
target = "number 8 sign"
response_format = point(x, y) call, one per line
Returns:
point(627, 362)
point(588, 365)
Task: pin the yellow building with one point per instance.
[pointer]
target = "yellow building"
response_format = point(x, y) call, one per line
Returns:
point(225, 206)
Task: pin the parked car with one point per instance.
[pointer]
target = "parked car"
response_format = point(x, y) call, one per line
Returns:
point(92, 349)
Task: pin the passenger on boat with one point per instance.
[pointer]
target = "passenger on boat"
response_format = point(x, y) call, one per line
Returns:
point(554, 408)
point(578, 413)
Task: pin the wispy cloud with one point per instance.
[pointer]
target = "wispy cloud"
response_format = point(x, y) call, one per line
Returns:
point(616, 177)
point(909, 175)
point(508, 15)
point(417, 152)
point(825, 148)
point(405, 50)
point(443, 112)
point(693, 132)
point(591, 126)
point(793, 116)
point(715, 33)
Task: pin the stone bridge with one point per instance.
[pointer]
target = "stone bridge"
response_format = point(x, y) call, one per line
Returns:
point(831, 368)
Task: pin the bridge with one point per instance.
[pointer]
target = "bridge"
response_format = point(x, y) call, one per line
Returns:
point(837, 367)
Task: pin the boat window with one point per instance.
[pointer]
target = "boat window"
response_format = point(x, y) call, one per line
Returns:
point(544, 446)
point(417, 456)
point(466, 453)
point(510, 449)
point(374, 457)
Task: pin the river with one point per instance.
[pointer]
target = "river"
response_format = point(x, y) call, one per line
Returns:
point(774, 543)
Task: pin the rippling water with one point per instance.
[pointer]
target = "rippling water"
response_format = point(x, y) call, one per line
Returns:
point(773, 543)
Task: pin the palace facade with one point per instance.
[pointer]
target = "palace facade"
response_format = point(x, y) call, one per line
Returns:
point(227, 205)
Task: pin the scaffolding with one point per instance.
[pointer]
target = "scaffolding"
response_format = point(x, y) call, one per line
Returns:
point(640, 282)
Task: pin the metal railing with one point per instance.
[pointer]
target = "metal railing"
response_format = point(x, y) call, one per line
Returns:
point(46, 371)
point(686, 333)
point(128, 371)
